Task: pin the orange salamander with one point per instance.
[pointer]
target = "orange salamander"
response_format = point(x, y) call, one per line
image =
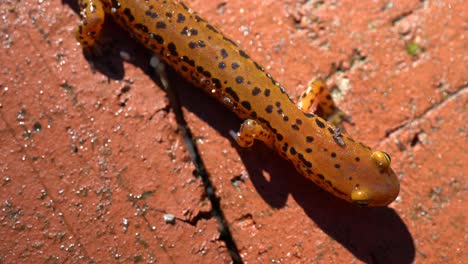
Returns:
point(200, 53)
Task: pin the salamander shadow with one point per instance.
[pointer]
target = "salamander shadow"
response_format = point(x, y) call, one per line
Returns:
point(373, 235)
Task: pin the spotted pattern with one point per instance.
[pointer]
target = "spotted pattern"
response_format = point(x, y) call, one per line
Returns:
point(215, 63)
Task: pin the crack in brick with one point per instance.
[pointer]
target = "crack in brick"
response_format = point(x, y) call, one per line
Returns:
point(399, 17)
point(451, 96)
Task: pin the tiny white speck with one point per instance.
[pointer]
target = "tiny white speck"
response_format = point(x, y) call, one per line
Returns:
point(125, 55)
point(227, 100)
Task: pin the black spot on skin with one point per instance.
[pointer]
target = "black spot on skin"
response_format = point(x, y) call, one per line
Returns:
point(309, 115)
point(295, 127)
point(232, 93)
point(337, 166)
point(285, 147)
point(269, 109)
point(198, 18)
point(216, 82)
point(184, 6)
point(210, 27)
point(180, 18)
point(329, 97)
point(201, 43)
point(151, 14)
point(309, 139)
point(258, 66)
point(266, 123)
point(329, 183)
point(293, 151)
point(246, 105)
point(221, 65)
point(141, 27)
point(192, 45)
point(319, 123)
point(161, 25)
point(184, 31)
point(357, 159)
point(239, 79)
point(168, 14)
point(243, 54)
point(234, 65)
point(304, 161)
point(331, 131)
point(188, 60)
point(278, 104)
point(172, 49)
point(128, 13)
point(202, 71)
point(298, 121)
point(193, 32)
point(285, 118)
point(256, 91)
point(333, 155)
point(184, 68)
point(230, 41)
point(308, 150)
point(224, 53)
point(267, 92)
point(158, 39)
point(279, 137)
point(321, 176)
point(253, 114)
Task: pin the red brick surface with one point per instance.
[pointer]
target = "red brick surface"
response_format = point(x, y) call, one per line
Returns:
point(90, 161)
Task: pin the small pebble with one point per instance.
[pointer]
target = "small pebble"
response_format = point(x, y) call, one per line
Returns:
point(169, 219)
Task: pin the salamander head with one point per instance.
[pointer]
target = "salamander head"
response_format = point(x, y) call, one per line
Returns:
point(379, 185)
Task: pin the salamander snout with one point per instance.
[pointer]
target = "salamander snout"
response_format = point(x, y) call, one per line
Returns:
point(384, 191)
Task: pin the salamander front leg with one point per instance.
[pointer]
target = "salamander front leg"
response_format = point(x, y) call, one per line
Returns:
point(249, 131)
point(318, 97)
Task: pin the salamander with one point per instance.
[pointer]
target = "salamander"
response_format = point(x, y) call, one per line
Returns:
point(200, 53)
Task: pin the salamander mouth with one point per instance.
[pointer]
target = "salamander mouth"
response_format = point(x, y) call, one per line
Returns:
point(361, 203)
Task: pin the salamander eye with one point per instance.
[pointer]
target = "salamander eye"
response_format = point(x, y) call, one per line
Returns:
point(359, 196)
point(382, 159)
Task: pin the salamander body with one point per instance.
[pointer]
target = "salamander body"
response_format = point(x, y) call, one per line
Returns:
point(200, 53)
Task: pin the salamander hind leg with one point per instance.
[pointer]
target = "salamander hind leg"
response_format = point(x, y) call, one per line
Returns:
point(251, 130)
point(318, 97)
point(92, 19)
